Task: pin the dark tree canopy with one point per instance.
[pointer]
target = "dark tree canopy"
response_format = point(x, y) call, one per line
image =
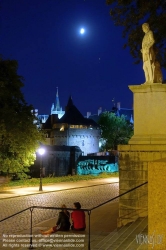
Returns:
point(19, 136)
point(131, 14)
point(115, 130)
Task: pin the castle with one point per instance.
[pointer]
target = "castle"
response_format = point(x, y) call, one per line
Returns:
point(69, 136)
point(71, 128)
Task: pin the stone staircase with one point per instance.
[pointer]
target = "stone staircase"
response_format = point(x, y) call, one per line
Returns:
point(125, 238)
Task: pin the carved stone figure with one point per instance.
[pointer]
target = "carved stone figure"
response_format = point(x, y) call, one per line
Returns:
point(158, 77)
point(151, 67)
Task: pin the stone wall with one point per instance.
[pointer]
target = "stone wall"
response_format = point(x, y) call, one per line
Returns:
point(157, 204)
point(149, 114)
point(57, 163)
point(133, 171)
point(86, 139)
point(59, 137)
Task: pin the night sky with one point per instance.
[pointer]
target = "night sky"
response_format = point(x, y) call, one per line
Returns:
point(43, 36)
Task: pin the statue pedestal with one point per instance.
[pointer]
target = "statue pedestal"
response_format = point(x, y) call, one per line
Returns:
point(149, 114)
point(137, 160)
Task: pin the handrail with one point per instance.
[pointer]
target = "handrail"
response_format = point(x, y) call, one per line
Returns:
point(15, 214)
point(40, 207)
point(133, 212)
point(59, 208)
point(119, 195)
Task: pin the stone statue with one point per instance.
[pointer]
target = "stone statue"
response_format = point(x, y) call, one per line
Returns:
point(151, 66)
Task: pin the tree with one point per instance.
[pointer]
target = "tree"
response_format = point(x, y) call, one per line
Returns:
point(115, 130)
point(131, 14)
point(19, 136)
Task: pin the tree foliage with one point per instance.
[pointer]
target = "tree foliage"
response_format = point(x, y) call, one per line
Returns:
point(131, 14)
point(115, 130)
point(19, 136)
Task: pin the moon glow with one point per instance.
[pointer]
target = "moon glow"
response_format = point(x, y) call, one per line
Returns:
point(82, 30)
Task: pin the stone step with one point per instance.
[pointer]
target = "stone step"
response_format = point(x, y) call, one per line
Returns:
point(131, 242)
point(135, 244)
point(124, 237)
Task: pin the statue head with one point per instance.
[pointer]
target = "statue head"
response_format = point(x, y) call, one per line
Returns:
point(145, 27)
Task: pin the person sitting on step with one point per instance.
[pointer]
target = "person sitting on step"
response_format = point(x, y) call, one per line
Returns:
point(78, 218)
point(63, 222)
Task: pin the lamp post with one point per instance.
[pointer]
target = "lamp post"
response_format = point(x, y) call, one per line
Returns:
point(41, 151)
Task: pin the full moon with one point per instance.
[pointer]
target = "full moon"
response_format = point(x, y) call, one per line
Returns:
point(82, 31)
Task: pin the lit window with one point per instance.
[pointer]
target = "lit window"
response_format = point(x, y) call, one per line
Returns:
point(62, 128)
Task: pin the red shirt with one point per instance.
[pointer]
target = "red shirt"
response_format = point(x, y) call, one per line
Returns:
point(78, 218)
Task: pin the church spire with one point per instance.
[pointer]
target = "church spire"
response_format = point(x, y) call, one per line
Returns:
point(57, 103)
point(56, 108)
point(57, 92)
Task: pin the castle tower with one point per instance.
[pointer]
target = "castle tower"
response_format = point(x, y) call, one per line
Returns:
point(73, 129)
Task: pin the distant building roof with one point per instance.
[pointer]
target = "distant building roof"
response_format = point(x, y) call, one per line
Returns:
point(128, 113)
point(72, 116)
point(94, 117)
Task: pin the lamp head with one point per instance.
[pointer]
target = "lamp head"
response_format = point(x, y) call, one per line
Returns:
point(41, 151)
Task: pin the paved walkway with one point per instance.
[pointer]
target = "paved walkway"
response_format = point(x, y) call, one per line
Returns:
point(103, 220)
point(15, 192)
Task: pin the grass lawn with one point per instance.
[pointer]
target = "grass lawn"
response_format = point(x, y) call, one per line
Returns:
point(51, 180)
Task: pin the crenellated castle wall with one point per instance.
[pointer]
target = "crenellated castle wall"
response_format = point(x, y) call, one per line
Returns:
point(86, 139)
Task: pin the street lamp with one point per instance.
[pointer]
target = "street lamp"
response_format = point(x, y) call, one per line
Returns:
point(41, 151)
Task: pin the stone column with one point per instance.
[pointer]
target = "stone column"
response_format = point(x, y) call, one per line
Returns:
point(133, 171)
point(157, 204)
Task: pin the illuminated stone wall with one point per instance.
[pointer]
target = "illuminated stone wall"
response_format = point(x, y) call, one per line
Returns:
point(157, 204)
point(149, 114)
point(86, 139)
point(133, 171)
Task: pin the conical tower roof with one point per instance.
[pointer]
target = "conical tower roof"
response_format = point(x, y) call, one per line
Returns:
point(73, 116)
